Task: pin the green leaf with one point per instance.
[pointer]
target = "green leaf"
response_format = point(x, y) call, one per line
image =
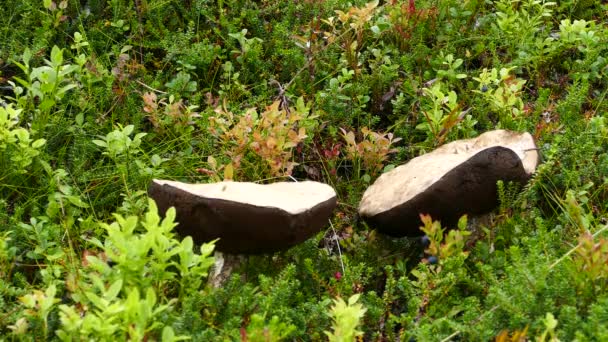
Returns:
point(207, 248)
point(38, 143)
point(150, 297)
point(77, 37)
point(95, 299)
point(46, 104)
point(114, 309)
point(55, 253)
point(28, 301)
point(128, 130)
point(138, 136)
point(56, 56)
point(550, 321)
point(114, 290)
point(155, 160)
point(462, 222)
point(353, 299)
point(79, 119)
point(187, 243)
point(388, 167)
point(100, 143)
point(63, 90)
point(228, 172)
point(168, 334)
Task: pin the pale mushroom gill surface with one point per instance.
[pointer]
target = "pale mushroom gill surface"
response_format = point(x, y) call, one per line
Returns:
point(293, 198)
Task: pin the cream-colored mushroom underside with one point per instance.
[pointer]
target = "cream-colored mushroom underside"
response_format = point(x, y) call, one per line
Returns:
point(406, 181)
point(292, 197)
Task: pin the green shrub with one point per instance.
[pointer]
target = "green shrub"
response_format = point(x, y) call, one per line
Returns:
point(99, 97)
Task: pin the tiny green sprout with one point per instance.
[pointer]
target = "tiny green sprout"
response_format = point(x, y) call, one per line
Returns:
point(346, 318)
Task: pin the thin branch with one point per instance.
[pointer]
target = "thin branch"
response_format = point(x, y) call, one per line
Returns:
point(150, 88)
point(338, 245)
point(575, 248)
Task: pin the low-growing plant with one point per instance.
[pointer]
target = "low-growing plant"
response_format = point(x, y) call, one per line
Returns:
point(370, 154)
point(168, 113)
point(260, 331)
point(441, 245)
point(451, 65)
point(411, 22)
point(114, 73)
point(231, 87)
point(507, 196)
point(271, 135)
point(443, 115)
point(344, 100)
point(350, 38)
point(17, 147)
point(39, 305)
point(591, 262)
point(44, 87)
point(518, 21)
point(131, 167)
point(549, 333)
point(8, 253)
point(578, 33)
point(502, 92)
point(346, 319)
point(127, 283)
point(182, 84)
point(512, 336)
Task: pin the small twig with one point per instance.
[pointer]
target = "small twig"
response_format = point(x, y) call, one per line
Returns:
point(103, 116)
point(347, 205)
point(458, 332)
point(449, 337)
point(150, 88)
point(283, 100)
point(338, 245)
point(600, 101)
point(273, 178)
point(575, 248)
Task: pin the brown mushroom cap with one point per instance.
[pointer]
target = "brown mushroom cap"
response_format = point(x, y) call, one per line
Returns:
point(248, 218)
point(456, 179)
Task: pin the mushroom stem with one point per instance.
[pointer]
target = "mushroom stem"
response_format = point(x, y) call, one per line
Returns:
point(225, 263)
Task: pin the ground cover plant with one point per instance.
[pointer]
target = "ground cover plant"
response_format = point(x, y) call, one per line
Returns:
point(99, 97)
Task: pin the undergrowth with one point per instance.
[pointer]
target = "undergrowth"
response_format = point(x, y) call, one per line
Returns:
point(97, 98)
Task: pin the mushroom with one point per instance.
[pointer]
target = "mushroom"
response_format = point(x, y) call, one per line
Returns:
point(455, 179)
point(248, 218)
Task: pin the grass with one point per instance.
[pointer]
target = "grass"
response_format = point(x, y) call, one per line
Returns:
point(99, 98)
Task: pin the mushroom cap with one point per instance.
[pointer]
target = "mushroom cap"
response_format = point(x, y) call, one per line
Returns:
point(455, 179)
point(248, 218)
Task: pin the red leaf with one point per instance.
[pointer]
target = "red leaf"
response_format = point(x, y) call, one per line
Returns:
point(412, 7)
